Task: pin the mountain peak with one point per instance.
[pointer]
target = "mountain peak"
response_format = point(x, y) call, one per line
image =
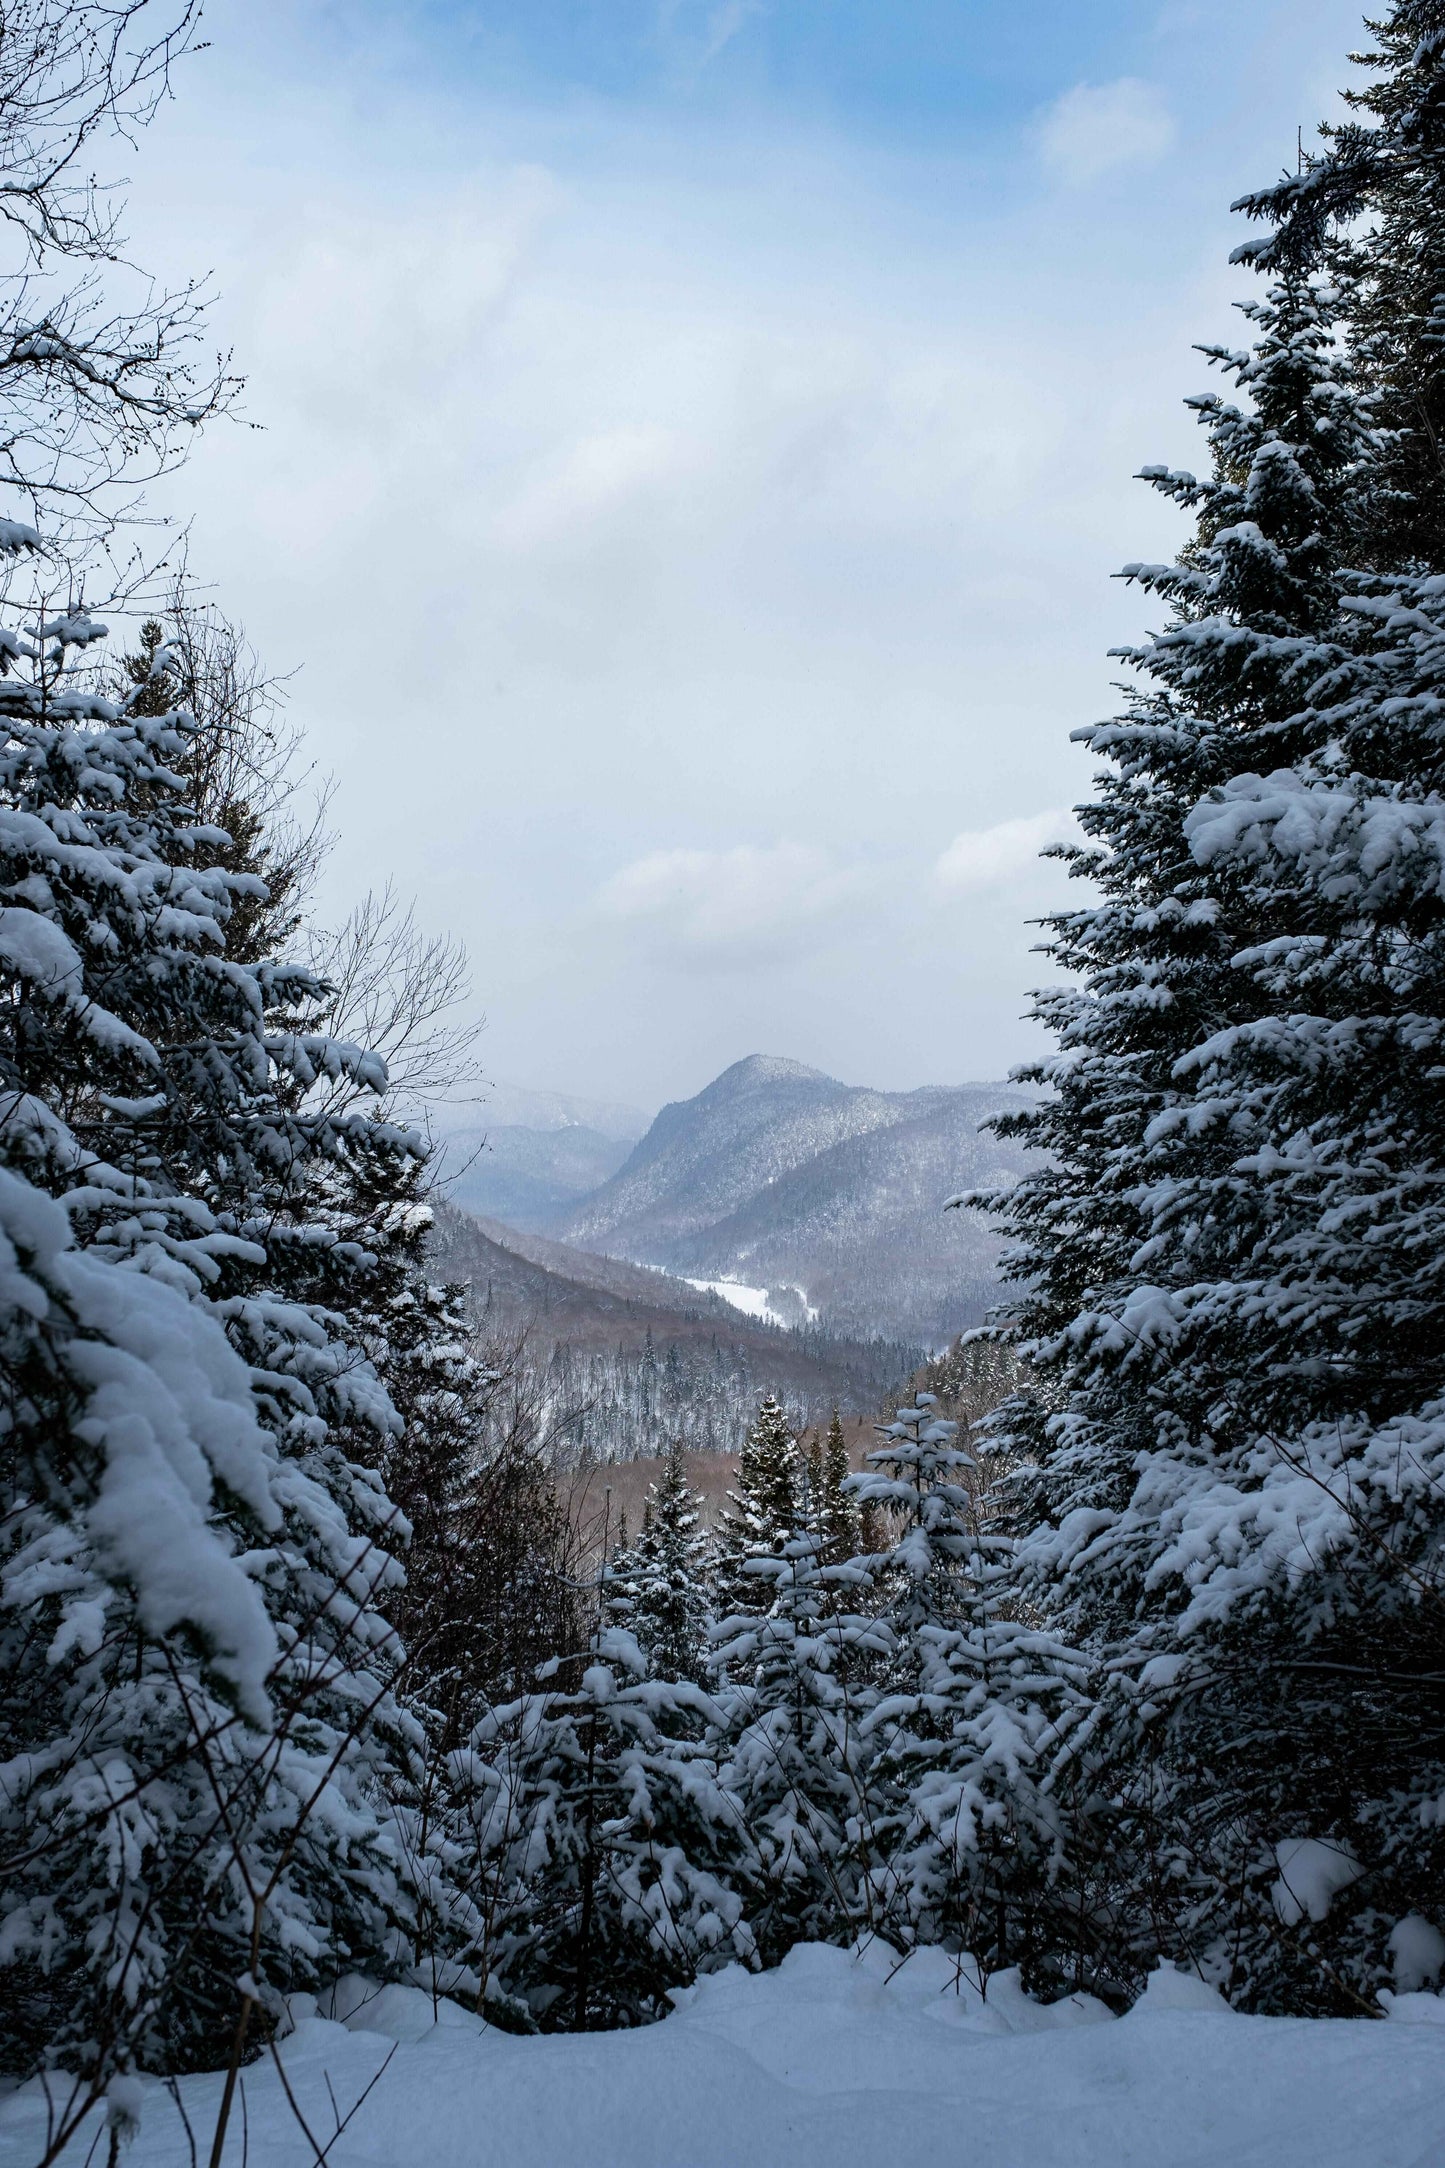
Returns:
point(758, 1069)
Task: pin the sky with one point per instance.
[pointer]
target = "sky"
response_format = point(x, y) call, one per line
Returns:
point(687, 445)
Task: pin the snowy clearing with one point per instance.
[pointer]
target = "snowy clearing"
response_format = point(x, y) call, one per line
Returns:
point(752, 1301)
point(756, 1301)
point(829, 2063)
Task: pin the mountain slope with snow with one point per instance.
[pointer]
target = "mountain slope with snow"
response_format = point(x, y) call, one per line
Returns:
point(646, 1356)
point(829, 1197)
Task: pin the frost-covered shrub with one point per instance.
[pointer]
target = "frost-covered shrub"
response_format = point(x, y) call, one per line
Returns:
point(604, 1848)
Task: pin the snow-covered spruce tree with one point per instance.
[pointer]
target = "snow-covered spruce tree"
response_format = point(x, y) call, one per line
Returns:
point(793, 1699)
point(603, 1846)
point(416, 1336)
point(164, 1832)
point(762, 1514)
point(835, 1514)
point(1370, 210)
point(518, 1552)
point(419, 1339)
point(1235, 1263)
point(128, 1425)
point(975, 1703)
point(790, 1661)
point(657, 1587)
point(1351, 847)
point(242, 766)
point(489, 1597)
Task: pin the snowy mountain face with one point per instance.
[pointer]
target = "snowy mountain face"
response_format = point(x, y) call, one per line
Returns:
point(827, 1197)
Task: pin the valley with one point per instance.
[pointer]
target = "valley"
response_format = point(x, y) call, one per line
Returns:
point(628, 1358)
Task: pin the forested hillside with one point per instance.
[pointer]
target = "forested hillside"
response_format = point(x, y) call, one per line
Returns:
point(631, 1361)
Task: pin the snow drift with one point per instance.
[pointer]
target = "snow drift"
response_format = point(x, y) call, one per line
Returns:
point(834, 2060)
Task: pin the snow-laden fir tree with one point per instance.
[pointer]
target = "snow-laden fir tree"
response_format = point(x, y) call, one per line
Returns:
point(836, 1519)
point(603, 1848)
point(1368, 210)
point(974, 1707)
point(762, 1514)
point(1235, 1262)
point(181, 1811)
point(657, 1587)
point(793, 1689)
point(420, 1343)
point(509, 1593)
point(417, 1337)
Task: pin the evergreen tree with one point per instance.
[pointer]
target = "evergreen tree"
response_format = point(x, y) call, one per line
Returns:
point(239, 766)
point(835, 1516)
point(975, 1705)
point(790, 1659)
point(789, 1747)
point(1235, 1256)
point(1369, 210)
point(490, 1589)
point(418, 1338)
point(763, 1514)
point(178, 1832)
point(603, 1846)
point(658, 1585)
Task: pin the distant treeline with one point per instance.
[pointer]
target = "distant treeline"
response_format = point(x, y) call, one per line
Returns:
point(633, 1403)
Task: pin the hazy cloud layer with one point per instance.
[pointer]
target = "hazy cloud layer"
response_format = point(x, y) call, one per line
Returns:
point(694, 539)
point(1095, 129)
point(734, 908)
point(1008, 852)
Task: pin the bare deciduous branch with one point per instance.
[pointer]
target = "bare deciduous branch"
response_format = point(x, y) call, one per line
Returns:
point(402, 994)
point(99, 389)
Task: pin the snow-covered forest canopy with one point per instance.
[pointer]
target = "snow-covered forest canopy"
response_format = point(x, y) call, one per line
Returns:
point(1111, 1683)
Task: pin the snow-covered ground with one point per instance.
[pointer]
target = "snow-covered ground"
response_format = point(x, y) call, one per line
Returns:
point(752, 1301)
point(756, 1301)
point(826, 2063)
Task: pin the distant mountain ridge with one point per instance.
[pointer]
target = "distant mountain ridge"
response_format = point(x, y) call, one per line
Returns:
point(529, 1157)
point(518, 1106)
point(531, 1178)
point(778, 1176)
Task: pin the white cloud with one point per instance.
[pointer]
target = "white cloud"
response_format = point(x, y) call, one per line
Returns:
point(695, 45)
point(574, 487)
point(992, 857)
point(1095, 128)
point(724, 23)
point(745, 905)
point(631, 484)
